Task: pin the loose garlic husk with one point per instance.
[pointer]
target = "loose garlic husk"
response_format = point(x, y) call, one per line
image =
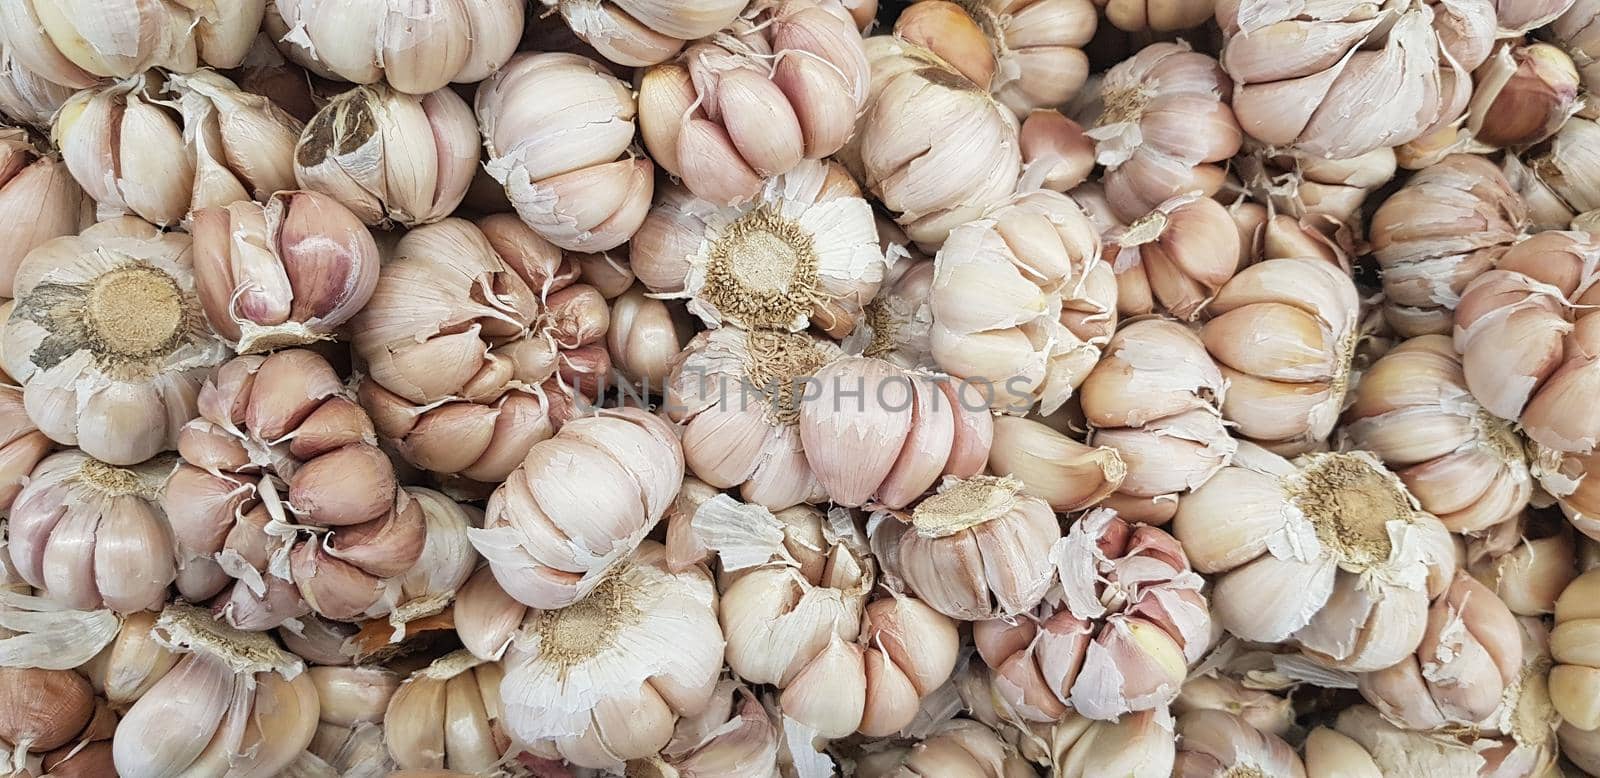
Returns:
point(234, 703)
point(1117, 637)
point(462, 381)
point(1523, 94)
point(1021, 302)
point(1433, 236)
point(958, 748)
point(1379, 76)
point(803, 252)
point(284, 489)
point(732, 738)
point(287, 273)
point(1155, 400)
point(1470, 655)
point(448, 714)
point(72, 43)
point(1283, 332)
point(578, 506)
point(40, 710)
point(90, 753)
point(1057, 153)
point(873, 433)
point(978, 549)
point(390, 156)
point(38, 201)
point(25, 96)
point(933, 146)
point(1368, 559)
point(1527, 562)
point(781, 86)
point(1215, 744)
point(738, 396)
point(1038, 60)
point(1174, 258)
point(1413, 411)
point(605, 680)
point(108, 339)
point(1164, 124)
point(558, 128)
point(416, 49)
point(646, 333)
point(1299, 185)
point(94, 536)
point(635, 33)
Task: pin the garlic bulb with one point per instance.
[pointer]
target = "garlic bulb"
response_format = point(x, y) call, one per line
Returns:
point(1057, 154)
point(416, 49)
point(71, 42)
point(1523, 94)
point(25, 96)
point(1526, 562)
point(1444, 228)
point(390, 156)
point(38, 201)
point(738, 396)
point(605, 680)
point(978, 549)
point(1214, 744)
point(933, 146)
point(109, 341)
point(448, 713)
point(875, 433)
point(1174, 258)
point(1038, 60)
point(958, 748)
point(447, 559)
point(92, 535)
point(1298, 184)
point(1377, 76)
point(1554, 177)
point(22, 445)
point(234, 703)
point(1118, 636)
point(1412, 410)
point(1021, 302)
point(1068, 475)
point(1154, 399)
point(286, 273)
point(732, 738)
point(646, 333)
point(803, 251)
point(1368, 559)
point(1283, 332)
point(1268, 713)
point(558, 128)
point(283, 489)
point(894, 326)
point(1163, 125)
point(634, 33)
point(1148, 16)
point(464, 382)
point(132, 663)
point(782, 85)
point(578, 506)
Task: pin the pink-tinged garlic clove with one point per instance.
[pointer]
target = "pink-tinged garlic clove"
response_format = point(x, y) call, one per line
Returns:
point(38, 201)
point(1178, 256)
point(1035, 51)
point(635, 34)
point(1524, 94)
point(1057, 154)
point(644, 335)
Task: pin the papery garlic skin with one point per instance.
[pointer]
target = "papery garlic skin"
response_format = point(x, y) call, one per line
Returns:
point(1299, 184)
point(1413, 410)
point(233, 703)
point(1119, 635)
point(38, 201)
point(959, 748)
point(390, 156)
point(1021, 302)
point(72, 43)
point(25, 96)
point(1212, 744)
point(1575, 31)
point(447, 558)
point(44, 710)
point(635, 33)
point(1368, 559)
point(464, 384)
point(1444, 228)
point(1285, 355)
point(1163, 126)
point(732, 738)
point(448, 713)
point(978, 549)
point(606, 680)
point(1155, 399)
point(578, 506)
point(94, 536)
point(557, 128)
point(1174, 258)
point(280, 448)
point(1554, 178)
point(1362, 743)
point(286, 273)
point(109, 341)
point(779, 86)
point(803, 252)
point(1068, 475)
point(1057, 153)
point(416, 49)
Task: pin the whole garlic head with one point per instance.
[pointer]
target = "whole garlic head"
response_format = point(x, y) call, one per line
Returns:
point(38, 201)
point(72, 42)
point(1175, 258)
point(1036, 47)
point(1368, 560)
point(109, 340)
point(635, 33)
point(1213, 744)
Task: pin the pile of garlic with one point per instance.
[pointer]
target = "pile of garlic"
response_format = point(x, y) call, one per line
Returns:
point(799, 388)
